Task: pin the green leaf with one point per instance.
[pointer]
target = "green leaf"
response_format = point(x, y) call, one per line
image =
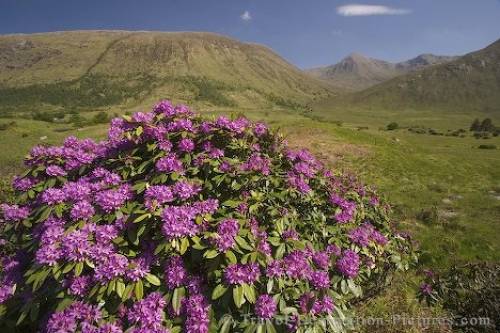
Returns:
point(64, 304)
point(142, 217)
point(270, 327)
point(270, 285)
point(177, 298)
point(79, 268)
point(243, 243)
point(139, 289)
point(128, 290)
point(153, 279)
point(218, 291)
point(231, 258)
point(184, 245)
point(249, 292)
point(120, 288)
point(209, 254)
point(238, 297)
point(226, 326)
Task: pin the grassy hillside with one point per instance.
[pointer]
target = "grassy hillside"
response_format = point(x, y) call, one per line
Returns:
point(86, 70)
point(470, 83)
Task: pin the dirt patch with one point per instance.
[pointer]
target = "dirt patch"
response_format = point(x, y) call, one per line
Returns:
point(324, 147)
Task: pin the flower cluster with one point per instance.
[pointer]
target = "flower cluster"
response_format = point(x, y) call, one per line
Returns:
point(242, 273)
point(174, 221)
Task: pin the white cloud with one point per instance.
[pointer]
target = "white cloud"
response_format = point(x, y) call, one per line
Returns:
point(366, 10)
point(246, 16)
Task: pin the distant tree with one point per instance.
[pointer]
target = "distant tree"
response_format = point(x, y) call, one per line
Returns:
point(476, 125)
point(487, 125)
point(392, 126)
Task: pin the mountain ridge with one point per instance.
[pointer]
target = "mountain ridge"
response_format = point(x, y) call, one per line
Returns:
point(170, 64)
point(468, 84)
point(358, 72)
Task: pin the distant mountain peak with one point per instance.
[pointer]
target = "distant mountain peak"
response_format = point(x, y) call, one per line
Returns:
point(357, 71)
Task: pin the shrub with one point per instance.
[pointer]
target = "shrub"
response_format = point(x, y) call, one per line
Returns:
point(470, 292)
point(392, 126)
point(487, 147)
point(428, 215)
point(176, 223)
point(100, 118)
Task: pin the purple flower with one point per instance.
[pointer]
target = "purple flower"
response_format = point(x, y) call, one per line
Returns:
point(226, 232)
point(14, 212)
point(111, 267)
point(208, 206)
point(76, 245)
point(186, 145)
point(197, 315)
point(305, 169)
point(110, 200)
point(138, 269)
point(297, 265)
point(320, 279)
point(426, 289)
point(169, 163)
point(148, 312)
point(82, 210)
point(55, 170)
point(257, 163)
point(67, 321)
point(321, 306)
point(6, 291)
point(77, 191)
point(23, 184)
point(366, 233)
point(348, 264)
point(53, 196)
point(321, 259)
point(299, 183)
point(378, 237)
point(290, 234)
point(360, 236)
point(110, 328)
point(242, 273)
point(185, 190)
point(259, 129)
point(141, 117)
point(275, 269)
point(157, 195)
point(176, 274)
point(347, 208)
point(306, 302)
point(164, 107)
point(179, 221)
point(333, 249)
point(79, 285)
point(265, 307)
point(165, 145)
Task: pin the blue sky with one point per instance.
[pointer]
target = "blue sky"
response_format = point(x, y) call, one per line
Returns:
point(306, 32)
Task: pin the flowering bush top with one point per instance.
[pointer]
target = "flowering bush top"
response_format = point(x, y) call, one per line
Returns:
point(176, 223)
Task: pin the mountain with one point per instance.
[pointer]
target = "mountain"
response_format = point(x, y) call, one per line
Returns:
point(422, 61)
point(469, 83)
point(98, 69)
point(357, 72)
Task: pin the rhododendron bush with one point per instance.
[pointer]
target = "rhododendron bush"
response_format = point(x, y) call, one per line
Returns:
point(180, 224)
